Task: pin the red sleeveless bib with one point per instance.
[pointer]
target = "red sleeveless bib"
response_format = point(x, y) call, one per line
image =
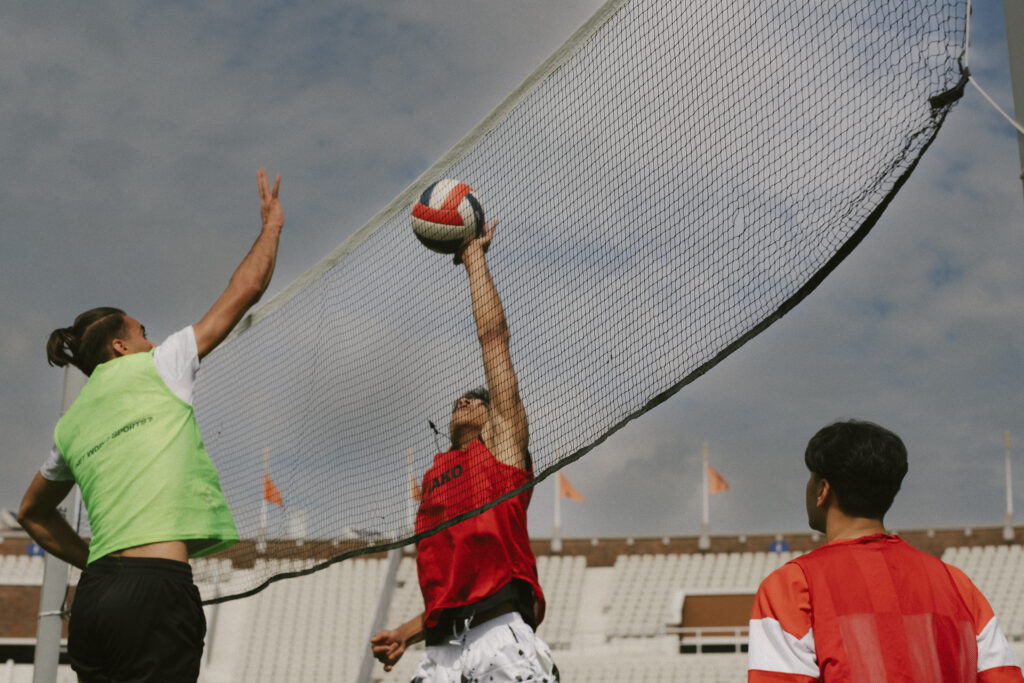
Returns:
point(884, 611)
point(473, 559)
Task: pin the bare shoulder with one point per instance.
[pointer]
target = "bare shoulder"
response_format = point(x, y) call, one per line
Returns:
point(501, 439)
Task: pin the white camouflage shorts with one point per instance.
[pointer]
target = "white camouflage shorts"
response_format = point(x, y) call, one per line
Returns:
point(502, 650)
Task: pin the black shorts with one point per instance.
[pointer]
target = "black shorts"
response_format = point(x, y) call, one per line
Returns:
point(136, 619)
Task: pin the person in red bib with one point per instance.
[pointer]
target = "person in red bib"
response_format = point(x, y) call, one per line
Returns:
point(866, 607)
point(478, 577)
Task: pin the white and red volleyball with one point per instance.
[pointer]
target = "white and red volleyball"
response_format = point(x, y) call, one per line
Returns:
point(447, 214)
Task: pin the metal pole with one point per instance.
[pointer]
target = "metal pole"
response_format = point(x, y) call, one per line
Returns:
point(1013, 10)
point(386, 593)
point(1008, 520)
point(55, 574)
point(261, 540)
point(705, 525)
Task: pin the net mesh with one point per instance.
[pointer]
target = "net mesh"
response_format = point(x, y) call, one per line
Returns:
point(669, 183)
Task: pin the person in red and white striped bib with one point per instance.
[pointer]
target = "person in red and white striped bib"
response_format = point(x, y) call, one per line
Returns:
point(866, 607)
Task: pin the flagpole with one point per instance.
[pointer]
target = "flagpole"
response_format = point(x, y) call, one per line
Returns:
point(1008, 520)
point(556, 532)
point(261, 543)
point(705, 539)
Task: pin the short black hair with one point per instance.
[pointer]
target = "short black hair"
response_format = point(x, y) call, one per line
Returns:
point(863, 462)
point(480, 393)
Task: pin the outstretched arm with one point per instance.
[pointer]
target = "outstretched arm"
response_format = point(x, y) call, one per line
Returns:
point(40, 517)
point(509, 432)
point(250, 279)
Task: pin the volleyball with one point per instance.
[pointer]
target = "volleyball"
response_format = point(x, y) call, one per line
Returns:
point(447, 214)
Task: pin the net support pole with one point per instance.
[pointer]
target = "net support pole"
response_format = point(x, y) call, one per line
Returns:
point(1008, 520)
point(1014, 13)
point(55, 574)
point(705, 523)
point(48, 631)
point(387, 591)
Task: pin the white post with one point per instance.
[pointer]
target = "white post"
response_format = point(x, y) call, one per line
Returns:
point(705, 538)
point(1008, 520)
point(556, 531)
point(261, 542)
point(387, 593)
point(55, 572)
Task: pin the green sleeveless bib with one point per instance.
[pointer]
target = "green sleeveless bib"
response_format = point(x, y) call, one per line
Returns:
point(135, 451)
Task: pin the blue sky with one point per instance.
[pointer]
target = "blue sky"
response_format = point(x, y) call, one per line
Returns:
point(131, 139)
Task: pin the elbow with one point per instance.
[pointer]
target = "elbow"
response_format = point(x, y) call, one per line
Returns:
point(33, 511)
point(497, 332)
point(26, 516)
point(30, 512)
point(249, 290)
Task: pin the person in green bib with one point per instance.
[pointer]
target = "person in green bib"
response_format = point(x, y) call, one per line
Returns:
point(131, 443)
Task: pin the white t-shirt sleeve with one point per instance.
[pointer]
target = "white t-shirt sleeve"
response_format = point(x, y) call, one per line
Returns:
point(177, 362)
point(55, 469)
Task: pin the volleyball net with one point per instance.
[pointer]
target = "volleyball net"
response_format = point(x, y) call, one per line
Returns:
point(670, 182)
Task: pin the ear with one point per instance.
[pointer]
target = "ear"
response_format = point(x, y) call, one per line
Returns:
point(119, 347)
point(824, 493)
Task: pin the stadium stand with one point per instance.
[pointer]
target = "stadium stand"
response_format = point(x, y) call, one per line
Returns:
point(21, 569)
point(997, 571)
point(22, 673)
point(615, 607)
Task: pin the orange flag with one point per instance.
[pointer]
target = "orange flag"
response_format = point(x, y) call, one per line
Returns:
point(716, 482)
point(567, 490)
point(416, 495)
point(271, 494)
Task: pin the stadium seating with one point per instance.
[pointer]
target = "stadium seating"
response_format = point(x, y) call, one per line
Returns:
point(641, 603)
point(997, 571)
point(313, 627)
point(21, 569)
point(23, 673)
point(562, 580)
point(605, 624)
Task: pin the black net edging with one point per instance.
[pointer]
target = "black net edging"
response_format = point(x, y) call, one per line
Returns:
point(669, 184)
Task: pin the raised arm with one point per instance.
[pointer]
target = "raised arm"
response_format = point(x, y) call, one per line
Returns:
point(41, 518)
point(509, 433)
point(250, 279)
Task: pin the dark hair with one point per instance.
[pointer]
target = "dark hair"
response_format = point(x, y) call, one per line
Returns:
point(479, 393)
point(86, 343)
point(863, 462)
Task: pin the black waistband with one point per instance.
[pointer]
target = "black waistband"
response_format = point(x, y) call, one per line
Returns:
point(152, 566)
point(452, 619)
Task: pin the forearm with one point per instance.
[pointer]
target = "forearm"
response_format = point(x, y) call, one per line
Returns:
point(252, 277)
point(247, 285)
point(53, 533)
point(412, 631)
point(487, 308)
